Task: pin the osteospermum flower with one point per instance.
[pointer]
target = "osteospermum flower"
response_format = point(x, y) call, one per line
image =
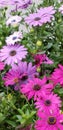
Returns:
point(48, 102)
point(35, 88)
point(61, 9)
point(43, 15)
point(49, 121)
point(47, 11)
point(2, 65)
point(15, 37)
point(21, 4)
point(20, 74)
point(14, 20)
point(57, 75)
point(42, 58)
point(11, 54)
point(39, 58)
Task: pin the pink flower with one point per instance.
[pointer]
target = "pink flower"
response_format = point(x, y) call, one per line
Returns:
point(2, 65)
point(11, 54)
point(49, 121)
point(19, 75)
point(48, 102)
point(57, 75)
point(42, 58)
point(47, 11)
point(47, 60)
point(39, 58)
point(35, 88)
point(61, 9)
point(14, 38)
point(21, 4)
point(43, 15)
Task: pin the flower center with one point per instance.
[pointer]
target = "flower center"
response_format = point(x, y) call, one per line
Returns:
point(24, 77)
point(13, 20)
point(36, 87)
point(14, 38)
point(37, 18)
point(16, 80)
point(47, 102)
point(51, 120)
point(37, 61)
point(13, 53)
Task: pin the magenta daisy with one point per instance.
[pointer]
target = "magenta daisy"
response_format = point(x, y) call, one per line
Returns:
point(14, 38)
point(2, 65)
point(35, 88)
point(43, 15)
point(20, 74)
point(14, 20)
point(57, 75)
point(42, 58)
point(39, 58)
point(11, 54)
point(48, 102)
point(49, 121)
point(61, 9)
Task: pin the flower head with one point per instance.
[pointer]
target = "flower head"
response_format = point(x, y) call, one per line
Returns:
point(11, 54)
point(35, 88)
point(57, 75)
point(14, 20)
point(42, 16)
point(15, 37)
point(61, 9)
point(42, 58)
point(1, 65)
point(20, 74)
point(48, 102)
point(21, 4)
point(49, 121)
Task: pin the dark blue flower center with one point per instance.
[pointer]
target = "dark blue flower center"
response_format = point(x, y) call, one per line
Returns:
point(52, 120)
point(13, 20)
point(14, 37)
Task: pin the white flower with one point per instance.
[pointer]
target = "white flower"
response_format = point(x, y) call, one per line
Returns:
point(15, 37)
point(13, 20)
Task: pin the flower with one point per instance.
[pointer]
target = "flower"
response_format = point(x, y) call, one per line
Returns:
point(4, 3)
point(14, 20)
point(11, 54)
point(21, 4)
point(39, 58)
point(48, 102)
point(57, 75)
point(47, 12)
point(20, 74)
point(49, 121)
point(47, 60)
point(15, 37)
point(42, 58)
point(35, 88)
point(2, 65)
point(61, 9)
point(42, 16)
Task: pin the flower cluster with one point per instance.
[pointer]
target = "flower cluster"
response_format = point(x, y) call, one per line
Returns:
point(31, 83)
